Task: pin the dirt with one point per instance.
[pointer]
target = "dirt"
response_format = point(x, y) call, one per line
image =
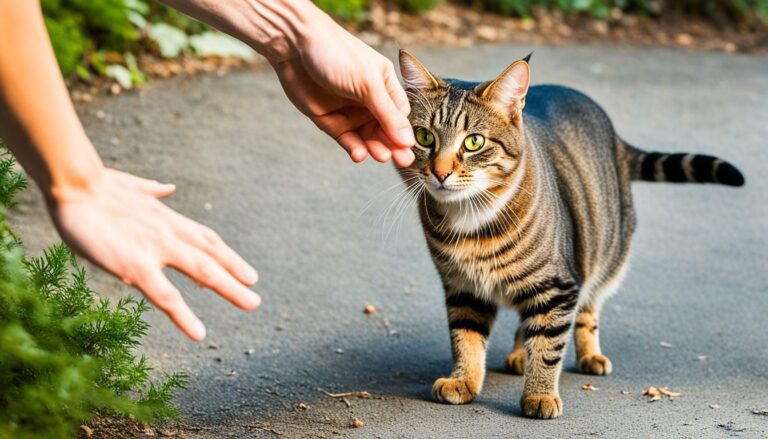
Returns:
point(457, 25)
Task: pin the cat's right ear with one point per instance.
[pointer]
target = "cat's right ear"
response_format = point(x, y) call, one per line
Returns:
point(415, 75)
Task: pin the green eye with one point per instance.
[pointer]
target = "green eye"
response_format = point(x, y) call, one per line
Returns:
point(424, 137)
point(474, 142)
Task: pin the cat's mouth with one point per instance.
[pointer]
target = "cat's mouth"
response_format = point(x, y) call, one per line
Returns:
point(450, 193)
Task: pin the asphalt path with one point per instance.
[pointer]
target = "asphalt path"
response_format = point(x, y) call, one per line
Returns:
point(329, 237)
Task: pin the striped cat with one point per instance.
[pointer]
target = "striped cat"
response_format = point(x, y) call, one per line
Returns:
point(529, 209)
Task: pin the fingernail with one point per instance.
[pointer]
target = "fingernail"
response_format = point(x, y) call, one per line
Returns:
point(255, 300)
point(198, 330)
point(405, 137)
point(250, 275)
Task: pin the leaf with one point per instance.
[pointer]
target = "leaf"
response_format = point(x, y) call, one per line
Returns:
point(170, 40)
point(120, 74)
point(218, 44)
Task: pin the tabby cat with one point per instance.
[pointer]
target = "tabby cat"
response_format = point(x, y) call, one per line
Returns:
point(525, 201)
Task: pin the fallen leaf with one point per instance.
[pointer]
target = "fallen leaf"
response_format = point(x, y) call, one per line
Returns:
point(231, 373)
point(669, 393)
point(87, 431)
point(302, 406)
point(715, 406)
point(369, 309)
point(213, 346)
point(655, 398)
point(589, 387)
point(626, 392)
point(651, 391)
point(665, 344)
point(760, 412)
point(357, 423)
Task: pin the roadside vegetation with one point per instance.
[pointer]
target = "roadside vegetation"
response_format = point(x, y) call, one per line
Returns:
point(67, 356)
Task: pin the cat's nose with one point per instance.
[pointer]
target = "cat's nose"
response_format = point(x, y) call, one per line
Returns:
point(441, 176)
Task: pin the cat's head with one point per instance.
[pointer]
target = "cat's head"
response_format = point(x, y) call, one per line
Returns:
point(469, 138)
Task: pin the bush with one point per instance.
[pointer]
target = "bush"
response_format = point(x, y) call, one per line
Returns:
point(349, 10)
point(66, 356)
point(735, 10)
point(417, 5)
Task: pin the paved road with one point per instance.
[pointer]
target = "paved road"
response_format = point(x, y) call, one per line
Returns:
point(290, 201)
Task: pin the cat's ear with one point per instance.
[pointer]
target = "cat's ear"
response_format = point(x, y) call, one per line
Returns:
point(507, 92)
point(415, 75)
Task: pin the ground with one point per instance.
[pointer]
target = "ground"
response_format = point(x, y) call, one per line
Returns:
point(691, 314)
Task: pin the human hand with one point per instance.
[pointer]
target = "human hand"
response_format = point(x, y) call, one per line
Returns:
point(118, 223)
point(349, 91)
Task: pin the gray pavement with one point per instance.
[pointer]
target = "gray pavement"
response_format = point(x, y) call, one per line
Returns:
point(327, 239)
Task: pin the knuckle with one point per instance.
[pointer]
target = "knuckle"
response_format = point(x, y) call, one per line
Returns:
point(210, 237)
point(165, 300)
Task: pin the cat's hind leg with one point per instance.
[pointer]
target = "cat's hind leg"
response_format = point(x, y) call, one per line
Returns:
point(516, 359)
point(470, 320)
point(589, 356)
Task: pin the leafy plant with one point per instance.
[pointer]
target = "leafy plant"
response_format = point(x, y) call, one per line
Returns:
point(349, 10)
point(65, 355)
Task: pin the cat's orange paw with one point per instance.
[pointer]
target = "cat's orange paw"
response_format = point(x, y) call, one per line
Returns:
point(516, 362)
point(453, 391)
point(595, 364)
point(542, 406)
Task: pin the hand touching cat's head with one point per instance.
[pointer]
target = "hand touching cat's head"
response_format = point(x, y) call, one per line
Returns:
point(469, 136)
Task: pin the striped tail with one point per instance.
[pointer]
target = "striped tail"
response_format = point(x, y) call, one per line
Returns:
point(682, 168)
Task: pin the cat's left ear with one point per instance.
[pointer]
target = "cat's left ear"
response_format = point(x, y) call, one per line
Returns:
point(507, 92)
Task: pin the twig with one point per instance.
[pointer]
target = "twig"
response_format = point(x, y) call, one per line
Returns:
point(363, 395)
point(346, 401)
point(261, 427)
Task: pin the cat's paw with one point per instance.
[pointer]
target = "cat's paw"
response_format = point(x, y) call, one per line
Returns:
point(516, 362)
point(454, 391)
point(595, 364)
point(541, 406)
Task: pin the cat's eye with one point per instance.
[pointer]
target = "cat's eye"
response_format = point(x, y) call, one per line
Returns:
point(473, 142)
point(424, 137)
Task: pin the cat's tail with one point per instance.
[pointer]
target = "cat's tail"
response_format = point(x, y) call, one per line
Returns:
point(681, 168)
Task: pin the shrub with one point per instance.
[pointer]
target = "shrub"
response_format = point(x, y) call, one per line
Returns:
point(417, 5)
point(349, 10)
point(66, 356)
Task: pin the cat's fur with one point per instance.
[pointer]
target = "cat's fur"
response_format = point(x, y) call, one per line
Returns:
point(539, 219)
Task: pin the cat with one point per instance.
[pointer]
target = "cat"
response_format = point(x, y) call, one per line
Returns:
point(525, 200)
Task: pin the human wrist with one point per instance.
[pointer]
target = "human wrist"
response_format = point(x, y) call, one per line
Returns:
point(68, 179)
point(279, 29)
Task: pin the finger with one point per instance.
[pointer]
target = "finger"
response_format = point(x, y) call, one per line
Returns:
point(161, 292)
point(208, 241)
point(204, 270)
point(396, 91)
point(378, 150)
point(392, 121)
point(403, 157)
point(354, 146)
point(151, 187)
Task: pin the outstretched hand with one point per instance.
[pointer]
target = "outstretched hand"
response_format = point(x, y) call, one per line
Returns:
point(351, 92)
point(119, 224)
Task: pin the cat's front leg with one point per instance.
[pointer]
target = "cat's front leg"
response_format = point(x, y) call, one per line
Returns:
point(470, 320)
point(546, 321)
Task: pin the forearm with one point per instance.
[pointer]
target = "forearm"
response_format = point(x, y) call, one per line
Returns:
point(37, 118)
point(274, 28)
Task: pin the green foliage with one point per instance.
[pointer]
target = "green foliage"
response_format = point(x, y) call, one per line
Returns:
point(66, 356)
point(349, 10)
point(417, 5)
point(735, 10)
point(75, 26)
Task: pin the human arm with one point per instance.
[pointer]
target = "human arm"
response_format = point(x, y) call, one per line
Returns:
point(347, 89)
point(112, 218)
